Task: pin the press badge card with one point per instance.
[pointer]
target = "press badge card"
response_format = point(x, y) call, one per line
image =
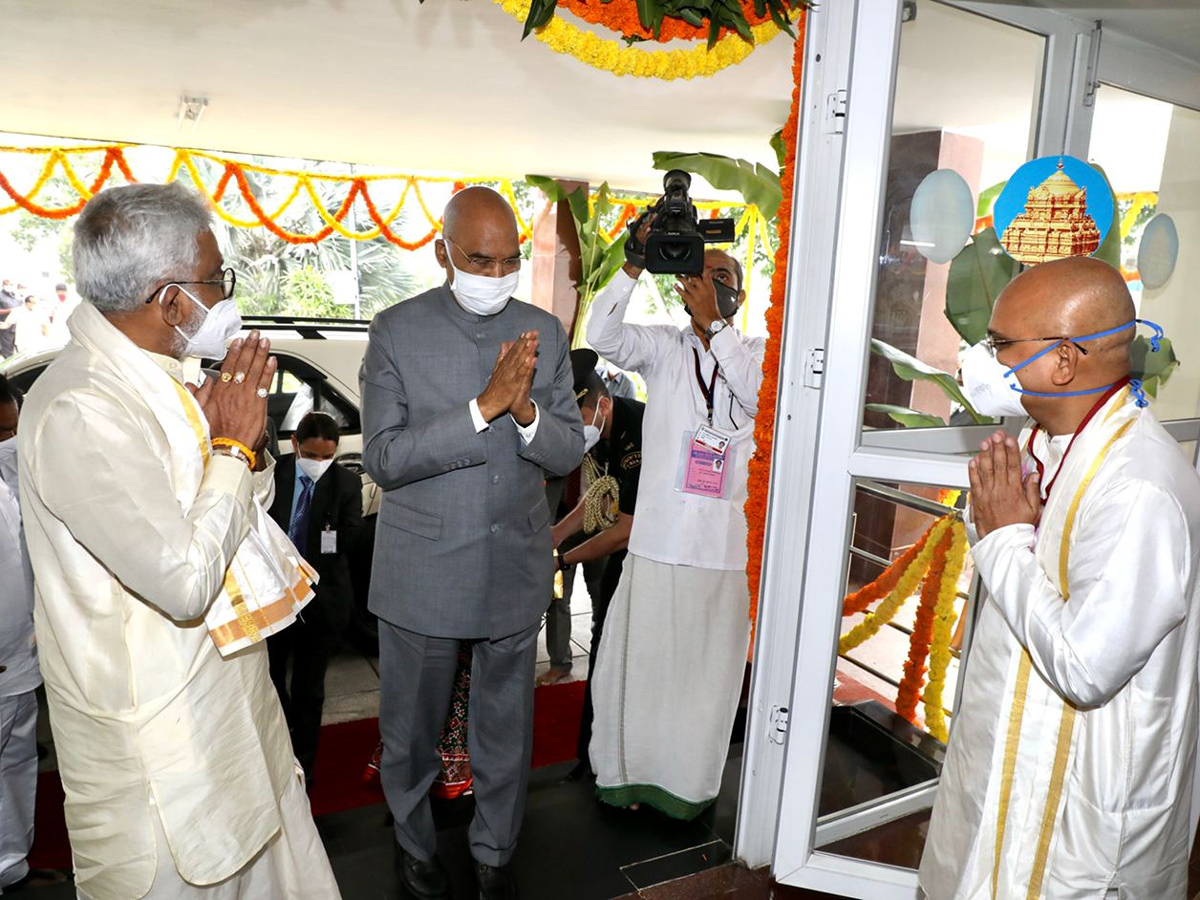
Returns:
point(329, 541)
point(704, 463)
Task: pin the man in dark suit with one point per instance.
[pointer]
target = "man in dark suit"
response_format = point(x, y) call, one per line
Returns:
point(462, 420)
point(319, 504)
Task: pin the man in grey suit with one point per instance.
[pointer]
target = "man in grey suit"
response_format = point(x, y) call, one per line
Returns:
point(462, 419)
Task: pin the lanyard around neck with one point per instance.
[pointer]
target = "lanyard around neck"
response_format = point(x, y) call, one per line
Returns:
point(708, 390)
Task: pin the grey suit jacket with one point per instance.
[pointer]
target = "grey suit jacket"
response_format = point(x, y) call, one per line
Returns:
point(462, 547)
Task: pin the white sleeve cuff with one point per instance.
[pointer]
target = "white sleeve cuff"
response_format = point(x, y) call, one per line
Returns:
point(527, 432)
point(477, 417)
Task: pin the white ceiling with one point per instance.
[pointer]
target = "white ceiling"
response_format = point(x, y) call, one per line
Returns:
point(447, 87)
point(444, 87)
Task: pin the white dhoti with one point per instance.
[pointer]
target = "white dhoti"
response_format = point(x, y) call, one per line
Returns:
point(292, 865)
point(666, 686)
point(18, 784)
point(1069, 773)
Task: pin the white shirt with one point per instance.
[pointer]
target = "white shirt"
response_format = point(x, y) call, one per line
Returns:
point(671, 526)
point(18, 649)
point(149, 719)
point(31, 326)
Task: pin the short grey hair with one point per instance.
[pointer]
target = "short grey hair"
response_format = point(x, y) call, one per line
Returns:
point(131, 239)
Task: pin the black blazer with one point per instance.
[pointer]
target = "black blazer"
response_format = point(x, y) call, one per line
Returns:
point(336, 504)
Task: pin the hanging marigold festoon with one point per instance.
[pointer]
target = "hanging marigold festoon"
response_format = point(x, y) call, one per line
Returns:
point(935, 562)
point(764, 422)
point(233, 182)
point(615, 56)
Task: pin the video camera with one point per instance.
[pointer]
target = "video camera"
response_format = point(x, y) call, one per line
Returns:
point(675, 244)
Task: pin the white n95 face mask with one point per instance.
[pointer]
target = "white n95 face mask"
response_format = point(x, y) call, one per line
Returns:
point(481, 294)
point(220, 324)
point(993, 388)
point(314, 468)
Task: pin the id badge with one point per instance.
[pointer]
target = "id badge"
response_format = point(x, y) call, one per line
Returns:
point(329, 541)
point(704, 468)
point(712, 438)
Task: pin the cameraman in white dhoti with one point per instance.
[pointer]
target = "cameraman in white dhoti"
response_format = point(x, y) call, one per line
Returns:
point(1070, 768)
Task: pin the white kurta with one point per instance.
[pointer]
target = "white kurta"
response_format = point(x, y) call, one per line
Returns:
point(1070, 767)
point(150, 722)
point(671, 526)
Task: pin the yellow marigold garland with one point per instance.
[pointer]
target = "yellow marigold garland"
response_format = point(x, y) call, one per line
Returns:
point(904, 589)
point(668, 65)
point(943, 630)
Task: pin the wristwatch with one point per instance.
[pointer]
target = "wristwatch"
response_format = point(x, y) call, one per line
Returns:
point(715, 328)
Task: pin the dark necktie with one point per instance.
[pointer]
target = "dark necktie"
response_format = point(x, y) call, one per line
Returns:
point(298, 530)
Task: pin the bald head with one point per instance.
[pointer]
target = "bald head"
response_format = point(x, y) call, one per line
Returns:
point(479, 235)
point(475, 206)
point(1071, 297)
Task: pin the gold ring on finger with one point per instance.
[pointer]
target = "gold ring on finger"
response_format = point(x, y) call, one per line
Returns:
point(226, 377)
point(239, 377)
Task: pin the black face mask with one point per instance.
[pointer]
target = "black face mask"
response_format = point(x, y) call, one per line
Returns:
point(727, 300)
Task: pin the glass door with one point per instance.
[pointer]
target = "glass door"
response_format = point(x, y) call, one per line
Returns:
point(942, 105)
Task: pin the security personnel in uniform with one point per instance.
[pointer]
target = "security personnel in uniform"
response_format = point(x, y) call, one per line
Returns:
point(612, 464)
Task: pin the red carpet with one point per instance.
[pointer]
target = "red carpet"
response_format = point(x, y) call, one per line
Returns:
point(345, 750)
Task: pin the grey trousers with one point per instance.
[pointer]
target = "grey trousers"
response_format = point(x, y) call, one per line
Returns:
point(558, 615)
point(416, 677)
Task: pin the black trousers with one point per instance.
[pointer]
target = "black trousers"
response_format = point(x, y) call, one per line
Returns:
point(600, 602)
point(308, 646)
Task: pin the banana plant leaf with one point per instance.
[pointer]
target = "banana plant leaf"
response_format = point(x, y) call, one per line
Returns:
point(1110, 249)
point(755, 182)
point(978, 274)
point(987, 199)
point(1154, 369)
point(912, 369)
point(600, 258)
point(778, 146)
point(555, 192)
point(906, 416)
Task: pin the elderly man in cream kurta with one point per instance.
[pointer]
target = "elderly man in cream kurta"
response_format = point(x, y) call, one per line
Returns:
point(140, 505)
point(1070, 769)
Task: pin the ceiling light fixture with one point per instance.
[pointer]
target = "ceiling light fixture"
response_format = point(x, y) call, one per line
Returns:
point(191, 109)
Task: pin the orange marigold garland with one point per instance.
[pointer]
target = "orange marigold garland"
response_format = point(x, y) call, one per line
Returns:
point(918, 645)
point(943, 630)
point(622, 16)
point(764, 425)
point(882, 586)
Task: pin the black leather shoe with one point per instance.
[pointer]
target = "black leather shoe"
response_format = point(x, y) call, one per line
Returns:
point(420, 879)
point(495, 882)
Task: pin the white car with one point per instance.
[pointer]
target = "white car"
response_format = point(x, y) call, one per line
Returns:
point(319, 360)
